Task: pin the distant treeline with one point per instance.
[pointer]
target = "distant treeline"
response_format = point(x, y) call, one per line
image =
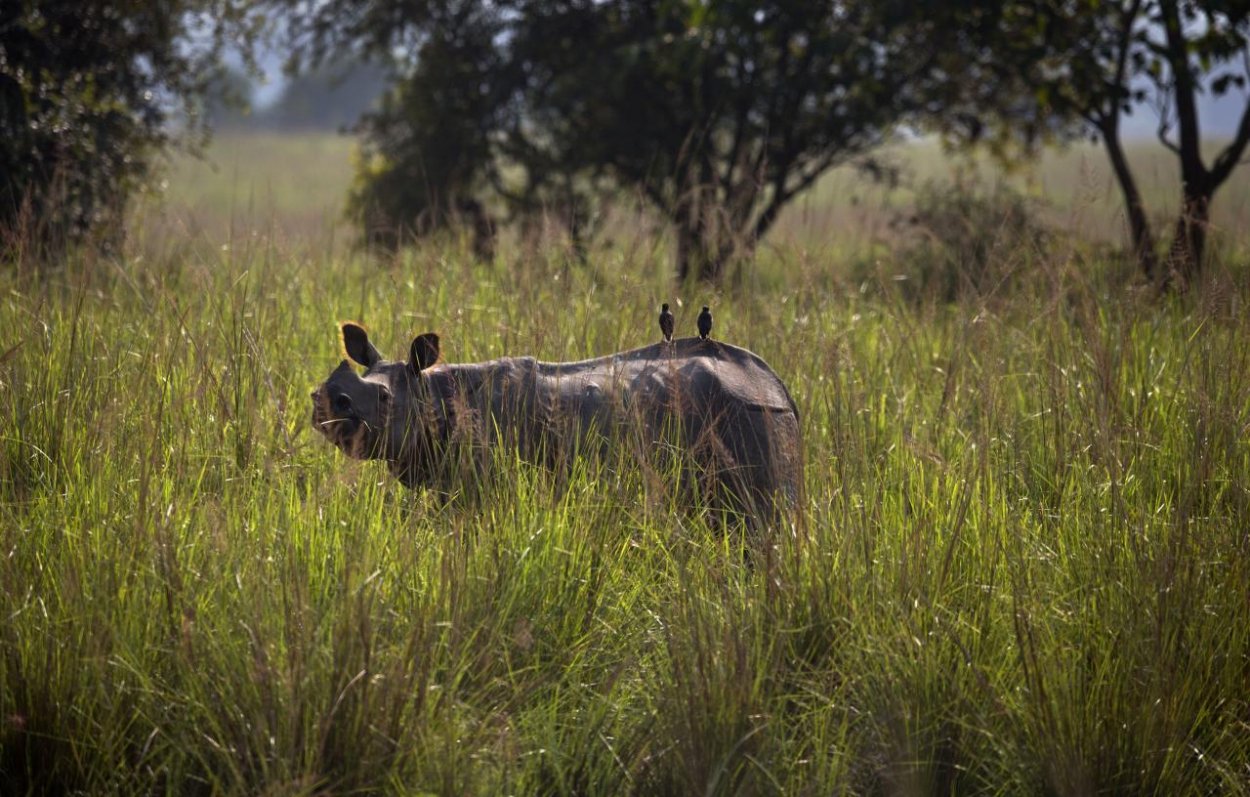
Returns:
point(331, 98)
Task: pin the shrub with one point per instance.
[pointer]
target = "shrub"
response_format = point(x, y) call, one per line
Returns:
point(89, 93)
point(965, 241)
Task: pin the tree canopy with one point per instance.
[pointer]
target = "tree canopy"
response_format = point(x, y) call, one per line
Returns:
point(89, 92)
point(1081, 67)
point(717, 114)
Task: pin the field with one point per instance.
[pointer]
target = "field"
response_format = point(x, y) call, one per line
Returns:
point(1022, 565)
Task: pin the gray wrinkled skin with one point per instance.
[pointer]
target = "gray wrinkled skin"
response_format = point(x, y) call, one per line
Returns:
point(718, 407)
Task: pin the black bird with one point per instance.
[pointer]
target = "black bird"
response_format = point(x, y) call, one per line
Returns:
point(666, 322)
point(705, 323)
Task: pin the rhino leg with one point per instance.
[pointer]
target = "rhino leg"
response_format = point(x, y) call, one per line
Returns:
point(750, 462)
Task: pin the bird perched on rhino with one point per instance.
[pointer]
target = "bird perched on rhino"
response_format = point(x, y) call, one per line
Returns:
point(705, 323)
point(666, 322)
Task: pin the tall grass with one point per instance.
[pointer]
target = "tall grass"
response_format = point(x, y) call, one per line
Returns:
point(1021, 565)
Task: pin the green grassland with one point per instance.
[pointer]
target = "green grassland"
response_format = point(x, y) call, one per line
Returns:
point(294, 186)
point(1022, 564)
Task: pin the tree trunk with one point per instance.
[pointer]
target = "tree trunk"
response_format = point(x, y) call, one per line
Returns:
point(1190, 239)
point(712, 265)
point(685, 254)
point(1198, 184)
point(695, 254)
point(1139, 225)
point(706, 261)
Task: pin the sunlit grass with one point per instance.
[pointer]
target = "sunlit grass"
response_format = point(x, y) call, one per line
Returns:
point(293, 187)
point(1021, 567)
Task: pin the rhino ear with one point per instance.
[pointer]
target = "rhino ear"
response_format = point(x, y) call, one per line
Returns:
point(356, 344)
point(424, 352)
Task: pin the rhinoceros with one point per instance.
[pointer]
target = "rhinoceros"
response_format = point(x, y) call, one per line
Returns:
point(720, 408)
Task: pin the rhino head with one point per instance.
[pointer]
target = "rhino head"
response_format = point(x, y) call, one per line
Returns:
point(389, 411)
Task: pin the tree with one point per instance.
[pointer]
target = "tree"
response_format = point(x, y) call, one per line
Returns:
point(426, 154)
point(721, 113)
point(1204, 47)
point(717, 113)
point(88, 94)
point(1080, 67)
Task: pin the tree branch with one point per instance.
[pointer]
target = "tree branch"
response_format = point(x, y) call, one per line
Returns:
point(1163, 107)
point(1164, 127)
point(781, 196)
point(741, 122)
point(1126, 40)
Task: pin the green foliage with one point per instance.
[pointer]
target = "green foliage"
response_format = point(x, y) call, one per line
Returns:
point(227, 101)
point(427, 150)
point(88, 96)
point(967, 241)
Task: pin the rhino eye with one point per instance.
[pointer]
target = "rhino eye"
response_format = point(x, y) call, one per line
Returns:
point(342, 403)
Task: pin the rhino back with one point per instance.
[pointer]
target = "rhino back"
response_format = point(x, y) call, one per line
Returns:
point(706, 370)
